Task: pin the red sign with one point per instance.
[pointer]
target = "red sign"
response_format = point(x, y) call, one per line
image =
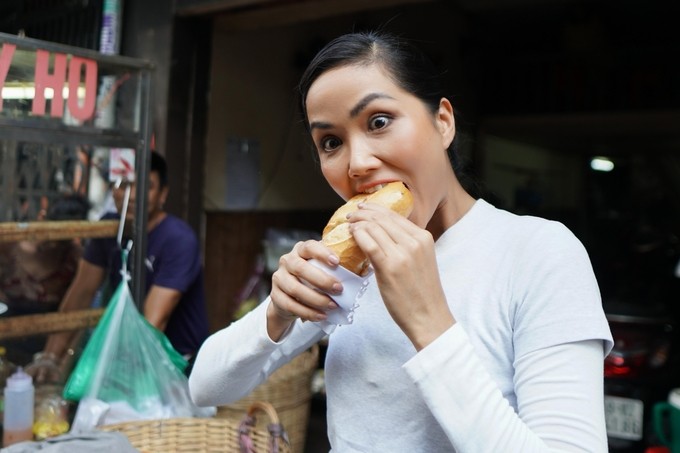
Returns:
point(70, 73)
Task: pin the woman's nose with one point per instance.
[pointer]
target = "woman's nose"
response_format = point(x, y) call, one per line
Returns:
point(362, 159)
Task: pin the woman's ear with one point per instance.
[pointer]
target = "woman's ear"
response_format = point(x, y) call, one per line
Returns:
point(446, 123)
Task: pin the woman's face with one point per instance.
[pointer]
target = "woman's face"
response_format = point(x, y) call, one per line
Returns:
point(369, 131)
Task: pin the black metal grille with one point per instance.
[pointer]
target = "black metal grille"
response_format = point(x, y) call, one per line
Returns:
point(33, 174)
point(71, 22)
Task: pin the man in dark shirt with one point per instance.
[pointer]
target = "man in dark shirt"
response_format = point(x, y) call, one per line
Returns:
point(175, 297)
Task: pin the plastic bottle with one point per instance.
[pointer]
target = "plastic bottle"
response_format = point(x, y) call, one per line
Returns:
point(6, 370)
point(18, 419)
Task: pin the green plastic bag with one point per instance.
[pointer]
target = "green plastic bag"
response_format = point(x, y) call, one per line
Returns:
point(126, 358)
point(128, 370)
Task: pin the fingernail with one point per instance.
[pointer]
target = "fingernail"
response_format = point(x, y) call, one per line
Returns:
point(332, 305)
point(336, 288)
point(334, 260)
point(320, 317)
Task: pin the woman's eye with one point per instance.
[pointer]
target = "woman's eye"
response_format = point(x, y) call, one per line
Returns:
point(379, 122)
point(330, 143)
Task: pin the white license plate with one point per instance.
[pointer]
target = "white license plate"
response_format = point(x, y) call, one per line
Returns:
point(624, 417)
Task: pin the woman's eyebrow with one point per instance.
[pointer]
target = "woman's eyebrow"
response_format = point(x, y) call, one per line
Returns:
point(361, 105)
point(365, 101)
point(319, 125)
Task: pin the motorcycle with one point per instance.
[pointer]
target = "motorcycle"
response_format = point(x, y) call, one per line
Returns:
point(640, 370)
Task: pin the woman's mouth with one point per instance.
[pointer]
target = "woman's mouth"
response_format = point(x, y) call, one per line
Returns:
point(377, 187)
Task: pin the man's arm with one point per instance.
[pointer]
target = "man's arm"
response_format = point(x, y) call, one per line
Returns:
point(79, 295)
point(159, 305)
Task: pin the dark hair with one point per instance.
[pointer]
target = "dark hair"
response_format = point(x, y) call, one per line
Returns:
point(159, 165)
point(68, 207)
point(404, 63)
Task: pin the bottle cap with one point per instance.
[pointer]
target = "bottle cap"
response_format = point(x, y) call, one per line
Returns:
point(19, 380)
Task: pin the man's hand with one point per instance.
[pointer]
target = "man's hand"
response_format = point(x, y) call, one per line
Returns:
point(45, 369)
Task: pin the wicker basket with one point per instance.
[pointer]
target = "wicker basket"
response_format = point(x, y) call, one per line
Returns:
point(208, 435)
point(289, 390)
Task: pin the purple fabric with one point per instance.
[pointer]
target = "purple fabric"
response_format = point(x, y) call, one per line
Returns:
point(173, 261)
point(245, 442)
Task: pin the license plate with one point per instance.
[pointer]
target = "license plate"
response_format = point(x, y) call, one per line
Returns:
point(624, 417)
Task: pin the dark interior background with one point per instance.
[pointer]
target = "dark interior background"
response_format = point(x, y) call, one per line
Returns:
point(579, 77)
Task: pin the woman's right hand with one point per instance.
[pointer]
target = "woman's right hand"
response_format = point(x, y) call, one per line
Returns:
point(300, 289)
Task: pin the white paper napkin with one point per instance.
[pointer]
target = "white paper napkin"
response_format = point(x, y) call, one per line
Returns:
point(354, 286)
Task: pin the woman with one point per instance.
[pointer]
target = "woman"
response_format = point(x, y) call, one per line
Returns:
point(481, 331)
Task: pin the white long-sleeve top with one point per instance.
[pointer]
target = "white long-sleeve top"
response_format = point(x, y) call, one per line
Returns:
point(521, 371)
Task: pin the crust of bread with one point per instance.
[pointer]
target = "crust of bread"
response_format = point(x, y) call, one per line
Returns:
point(337, 237)
point(340, 215)
point(342, 243)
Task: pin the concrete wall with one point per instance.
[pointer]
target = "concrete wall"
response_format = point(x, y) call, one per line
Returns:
point(253, 76)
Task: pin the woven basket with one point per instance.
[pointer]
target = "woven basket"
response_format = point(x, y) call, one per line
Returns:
point(208, 435)
point(289, 390)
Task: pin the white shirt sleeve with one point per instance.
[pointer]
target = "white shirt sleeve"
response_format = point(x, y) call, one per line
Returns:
point(236, 359)
point(560, 393)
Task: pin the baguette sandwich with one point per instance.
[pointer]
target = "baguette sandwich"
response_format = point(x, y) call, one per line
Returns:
point(337, 237)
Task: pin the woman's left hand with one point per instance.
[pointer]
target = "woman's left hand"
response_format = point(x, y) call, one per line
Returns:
point(402, 255)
